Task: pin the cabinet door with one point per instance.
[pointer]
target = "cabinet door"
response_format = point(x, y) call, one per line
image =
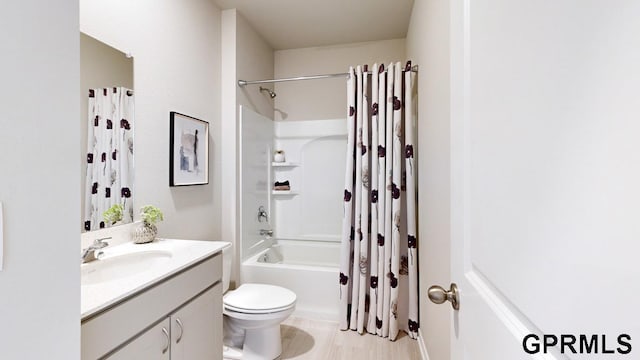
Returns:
point(196, 329)
point(153, 344)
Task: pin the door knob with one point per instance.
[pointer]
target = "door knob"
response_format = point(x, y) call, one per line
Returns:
point(438, 295)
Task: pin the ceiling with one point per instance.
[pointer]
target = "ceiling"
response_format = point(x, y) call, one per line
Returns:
point(289, 24)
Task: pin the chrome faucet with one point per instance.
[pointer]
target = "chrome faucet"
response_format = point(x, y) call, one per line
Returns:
point(89, 254)
point(266, 232)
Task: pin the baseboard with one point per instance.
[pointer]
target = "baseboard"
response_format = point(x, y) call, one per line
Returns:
point(423, 348)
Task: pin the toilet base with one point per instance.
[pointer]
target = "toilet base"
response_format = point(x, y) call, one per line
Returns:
point(259, 344)
point(262, 344)
point(231, 353)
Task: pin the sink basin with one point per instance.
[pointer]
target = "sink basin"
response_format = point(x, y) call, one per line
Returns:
point(126, 269)
point(118, 267)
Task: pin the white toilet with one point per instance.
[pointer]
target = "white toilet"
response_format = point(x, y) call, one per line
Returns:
point(257, 310)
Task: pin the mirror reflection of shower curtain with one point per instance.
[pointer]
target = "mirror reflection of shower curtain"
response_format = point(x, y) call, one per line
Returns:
point(109, 159)
point(378, 267)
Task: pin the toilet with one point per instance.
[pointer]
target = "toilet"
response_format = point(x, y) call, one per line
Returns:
point(252, 317)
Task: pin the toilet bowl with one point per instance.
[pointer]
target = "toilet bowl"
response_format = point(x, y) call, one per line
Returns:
point(256, 310)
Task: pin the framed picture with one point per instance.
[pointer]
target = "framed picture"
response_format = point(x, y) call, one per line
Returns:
point(189, 150)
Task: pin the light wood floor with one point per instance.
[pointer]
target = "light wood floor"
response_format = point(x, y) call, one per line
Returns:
point(312, 339)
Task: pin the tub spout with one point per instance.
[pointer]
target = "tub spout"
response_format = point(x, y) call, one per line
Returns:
point(266, 232)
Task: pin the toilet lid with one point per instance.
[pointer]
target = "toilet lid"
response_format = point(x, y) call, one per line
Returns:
point(259, 297)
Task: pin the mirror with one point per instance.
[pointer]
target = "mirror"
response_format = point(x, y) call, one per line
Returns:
point(107, 118)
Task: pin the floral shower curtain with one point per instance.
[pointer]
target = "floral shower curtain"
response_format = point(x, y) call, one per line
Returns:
point(109, 155)
point(378, 268)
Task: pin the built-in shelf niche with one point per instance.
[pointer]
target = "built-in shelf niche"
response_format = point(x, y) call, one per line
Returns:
point(284, 167)
point(284, 164)
point(284, 193)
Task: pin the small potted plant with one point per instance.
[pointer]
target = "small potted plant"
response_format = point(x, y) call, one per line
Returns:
point(113, 215)
point(147, 231)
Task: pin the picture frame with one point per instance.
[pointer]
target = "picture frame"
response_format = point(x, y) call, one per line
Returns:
point(188, 150)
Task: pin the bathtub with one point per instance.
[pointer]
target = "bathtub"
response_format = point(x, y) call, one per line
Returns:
point(308, 268)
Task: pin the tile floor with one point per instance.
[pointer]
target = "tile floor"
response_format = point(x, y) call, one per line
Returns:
point(322, 340)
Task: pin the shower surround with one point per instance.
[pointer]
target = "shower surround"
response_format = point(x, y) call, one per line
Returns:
point(306, 220)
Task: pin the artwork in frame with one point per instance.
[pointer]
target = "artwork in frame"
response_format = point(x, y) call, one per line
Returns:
point(189, 150)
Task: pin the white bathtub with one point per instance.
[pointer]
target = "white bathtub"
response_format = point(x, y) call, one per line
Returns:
point(308, 268)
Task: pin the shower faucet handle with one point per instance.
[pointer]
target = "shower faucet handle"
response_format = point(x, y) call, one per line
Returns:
point(262, 214)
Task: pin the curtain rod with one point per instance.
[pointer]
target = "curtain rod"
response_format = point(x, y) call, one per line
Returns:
point(311, 77)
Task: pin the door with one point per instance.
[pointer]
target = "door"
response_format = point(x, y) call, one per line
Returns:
point(546, 179)
point(153, 344)
point(196, 328)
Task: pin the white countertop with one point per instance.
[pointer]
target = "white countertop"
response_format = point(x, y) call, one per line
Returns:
point(96, 297)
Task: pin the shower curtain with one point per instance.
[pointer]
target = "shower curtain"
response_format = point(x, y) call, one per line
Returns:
point(109, 177)
point(378, 268)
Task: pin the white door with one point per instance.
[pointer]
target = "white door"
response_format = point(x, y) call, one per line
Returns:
point(546, 178)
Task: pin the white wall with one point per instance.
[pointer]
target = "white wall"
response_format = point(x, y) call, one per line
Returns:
point(39, 142)
point(254, 61)
point(246, 56)
point(229, 142)
point(428, 46)
point(176, 46)
point(325, 98)
point(100, 66)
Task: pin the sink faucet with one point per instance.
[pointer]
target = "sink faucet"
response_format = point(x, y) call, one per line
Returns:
point(89, 254)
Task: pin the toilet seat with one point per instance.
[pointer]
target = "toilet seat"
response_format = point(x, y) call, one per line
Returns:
point(259, 299)
point(254, 319)
point(252, 311)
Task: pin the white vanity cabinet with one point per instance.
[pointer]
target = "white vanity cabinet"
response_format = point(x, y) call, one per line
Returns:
point(192, 336)
point(152, 344)
point(186, 334)
point(178, 317)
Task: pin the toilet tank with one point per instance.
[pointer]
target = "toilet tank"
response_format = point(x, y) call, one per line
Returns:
point(227, 259)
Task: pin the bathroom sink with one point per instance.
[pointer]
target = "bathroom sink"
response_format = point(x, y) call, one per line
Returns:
point(126, 269)
point(120, 266)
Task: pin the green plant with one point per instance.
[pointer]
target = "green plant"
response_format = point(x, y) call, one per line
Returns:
point(150, 214)
point(113, 214)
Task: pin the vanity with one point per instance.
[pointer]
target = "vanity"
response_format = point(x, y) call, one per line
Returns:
point(161, 300)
